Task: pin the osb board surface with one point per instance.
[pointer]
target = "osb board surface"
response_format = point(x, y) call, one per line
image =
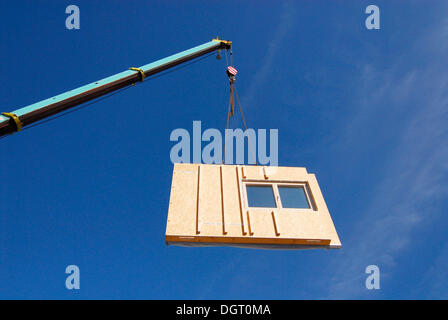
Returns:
point(274, 173)
point(204, 221)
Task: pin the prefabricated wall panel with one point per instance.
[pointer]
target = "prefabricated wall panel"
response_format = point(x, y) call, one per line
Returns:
point(209, 207)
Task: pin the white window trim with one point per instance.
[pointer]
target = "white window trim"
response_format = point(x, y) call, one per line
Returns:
point(308, 194)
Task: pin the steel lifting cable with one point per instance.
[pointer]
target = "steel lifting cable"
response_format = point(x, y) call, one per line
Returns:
point(229, 114)
point(231, 106)
point(231, 73)
point(241, 109)
point(245, 126)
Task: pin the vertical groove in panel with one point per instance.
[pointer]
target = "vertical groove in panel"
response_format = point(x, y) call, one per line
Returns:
point(277, 233)
point(264, 173)
point(197, 201)
point(248, 223)
point(242, 172)
point(222, 203)
point(239, 198)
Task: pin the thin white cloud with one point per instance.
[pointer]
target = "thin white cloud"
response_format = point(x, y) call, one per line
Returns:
point(285, 24)
point(436, 276)
point(416, 176)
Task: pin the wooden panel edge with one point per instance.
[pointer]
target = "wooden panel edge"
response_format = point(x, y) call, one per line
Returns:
point(210, 239)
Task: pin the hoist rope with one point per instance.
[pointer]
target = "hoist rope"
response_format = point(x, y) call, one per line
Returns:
point(230, 113)
point(245, 126)
point(231, 108)
point(231, 105)
point(241, 109)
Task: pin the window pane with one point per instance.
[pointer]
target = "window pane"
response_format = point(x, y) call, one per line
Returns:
point(293, 197)
point(260, 196)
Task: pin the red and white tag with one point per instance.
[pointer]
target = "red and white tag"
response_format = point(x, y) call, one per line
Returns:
point(232, 71)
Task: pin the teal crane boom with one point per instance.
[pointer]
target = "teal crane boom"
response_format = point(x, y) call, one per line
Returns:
point(14, 121)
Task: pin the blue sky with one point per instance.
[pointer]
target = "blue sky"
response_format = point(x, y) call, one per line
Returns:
point(366, 111)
